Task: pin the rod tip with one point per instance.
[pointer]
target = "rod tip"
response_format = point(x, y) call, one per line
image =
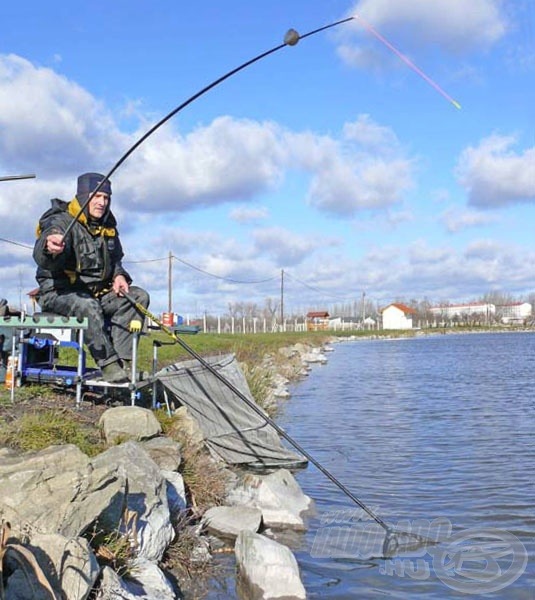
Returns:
point(291, 38)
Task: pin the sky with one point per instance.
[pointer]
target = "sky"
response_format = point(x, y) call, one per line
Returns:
point(330, 169)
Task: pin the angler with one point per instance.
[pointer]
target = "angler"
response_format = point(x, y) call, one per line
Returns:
point(80, 274)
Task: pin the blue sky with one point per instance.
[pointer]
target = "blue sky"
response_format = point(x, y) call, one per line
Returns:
point(331, 160)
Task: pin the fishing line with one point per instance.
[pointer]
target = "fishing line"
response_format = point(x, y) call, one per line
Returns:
point(408, 62)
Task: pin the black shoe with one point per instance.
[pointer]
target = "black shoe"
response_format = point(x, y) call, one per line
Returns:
point(114, 373)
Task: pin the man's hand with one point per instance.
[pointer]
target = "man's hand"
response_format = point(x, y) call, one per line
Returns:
point(55, 244)
point(120, 285)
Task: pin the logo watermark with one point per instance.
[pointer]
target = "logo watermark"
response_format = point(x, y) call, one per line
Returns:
point(472, 561)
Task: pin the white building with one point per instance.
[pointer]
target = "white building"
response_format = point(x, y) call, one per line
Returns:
point(450, 311)
point(515, 313)
point(397, 316)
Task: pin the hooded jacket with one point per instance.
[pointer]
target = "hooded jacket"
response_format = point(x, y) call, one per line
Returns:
point(92, 255)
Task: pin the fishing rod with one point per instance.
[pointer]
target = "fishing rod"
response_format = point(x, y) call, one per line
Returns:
point(14, 177)
point(290, 39)
point(256, 409)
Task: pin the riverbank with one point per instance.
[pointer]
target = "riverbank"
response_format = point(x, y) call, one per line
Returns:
point(42, 421)
point(40, 417)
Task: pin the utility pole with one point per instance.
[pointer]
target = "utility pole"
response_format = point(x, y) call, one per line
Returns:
point(282, 297)
point(170, 283)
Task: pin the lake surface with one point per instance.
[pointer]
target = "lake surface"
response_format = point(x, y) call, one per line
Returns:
point(436, 430)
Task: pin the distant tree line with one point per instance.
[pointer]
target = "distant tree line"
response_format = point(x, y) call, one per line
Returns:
point(364, 306)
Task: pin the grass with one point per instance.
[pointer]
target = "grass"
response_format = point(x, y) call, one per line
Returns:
point(203, 477)
point(248, 348)
point(38, 429)
point(118, 548)
point(43, 415)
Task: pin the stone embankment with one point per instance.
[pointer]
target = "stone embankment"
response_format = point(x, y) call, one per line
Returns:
point(60, 503)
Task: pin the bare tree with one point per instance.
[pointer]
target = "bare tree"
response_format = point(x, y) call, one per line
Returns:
point(271, 308)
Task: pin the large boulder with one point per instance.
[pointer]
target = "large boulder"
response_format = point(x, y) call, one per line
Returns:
point(59, 490)
point(266, 569)
point(49, 562)
point(277, 495)
point(165, 452)
point(146, 495)
point(227, 521)
point(176, 493)
point(145, 582)
point(74, 563)
point(128, 423)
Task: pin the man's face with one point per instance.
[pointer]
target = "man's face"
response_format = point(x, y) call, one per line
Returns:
point(98, 205)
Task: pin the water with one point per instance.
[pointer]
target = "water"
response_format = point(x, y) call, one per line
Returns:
point(434, 427)
point(424, 428)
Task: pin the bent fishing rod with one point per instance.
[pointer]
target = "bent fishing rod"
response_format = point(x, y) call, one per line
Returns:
point(290, 39)
point(144, 311)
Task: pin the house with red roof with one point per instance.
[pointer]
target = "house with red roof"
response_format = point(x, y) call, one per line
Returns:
point(397, 316)
point(317, 320)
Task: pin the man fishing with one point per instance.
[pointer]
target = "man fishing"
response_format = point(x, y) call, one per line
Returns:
point(80, 274)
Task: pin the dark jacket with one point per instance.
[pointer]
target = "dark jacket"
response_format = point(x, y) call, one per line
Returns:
point(92, 255)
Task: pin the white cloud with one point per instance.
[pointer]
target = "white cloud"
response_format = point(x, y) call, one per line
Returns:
point(54, 126)
point(370, 135)
point(246, 215)
point(365, 168)
point(342, 188)
point(456, 219)
point(454, 25)
point(494, 175)
point(50, 124)
point(285, 247)
point(228, 159)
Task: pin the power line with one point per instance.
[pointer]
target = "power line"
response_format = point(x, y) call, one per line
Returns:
point(220, 277)
point(315, 289)
point(147, 260)
point(196, 268)
point(213, 275)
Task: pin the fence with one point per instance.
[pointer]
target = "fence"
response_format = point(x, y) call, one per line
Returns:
point(239, 325)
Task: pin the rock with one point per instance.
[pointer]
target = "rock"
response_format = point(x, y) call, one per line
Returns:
point(74, 563)
point(266, 569)
point(165, 452)
point(58, 490)
point(228, 521)
point(146, 580)
point(112, 587)
point(189, 427)
point(314, 356)
point(18, 587)
point(288, 352)
point(128, 422)
point(176, 492)
point(147, 496)
point(277, 495)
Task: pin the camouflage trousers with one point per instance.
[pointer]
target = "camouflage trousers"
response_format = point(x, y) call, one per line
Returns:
point(108, 335)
